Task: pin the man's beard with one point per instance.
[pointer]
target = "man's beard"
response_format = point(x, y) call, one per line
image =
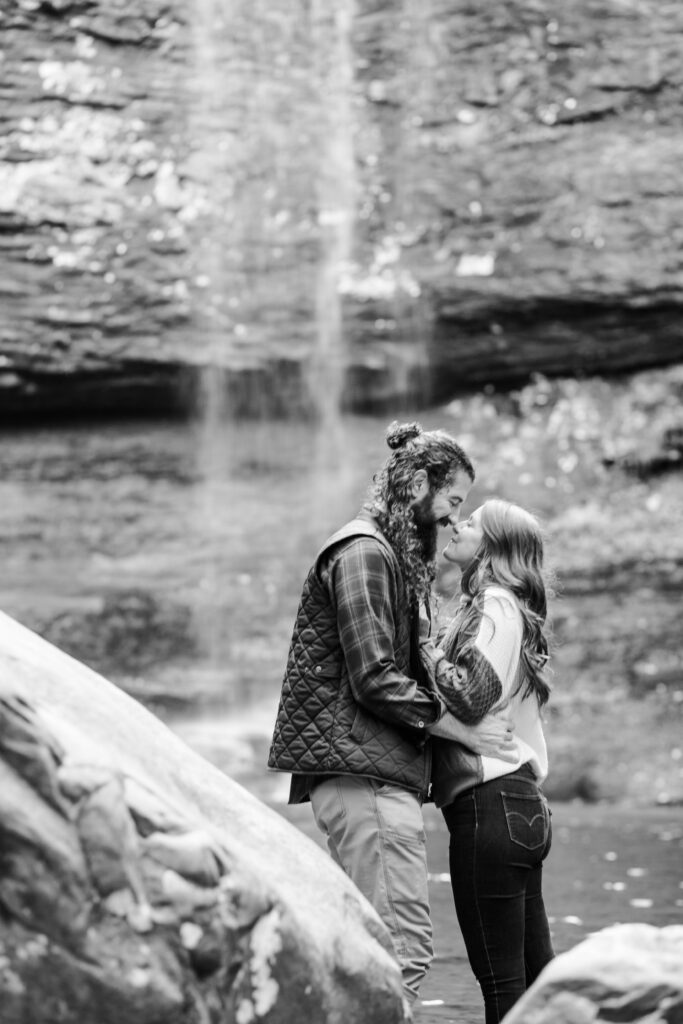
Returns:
point(426, 527)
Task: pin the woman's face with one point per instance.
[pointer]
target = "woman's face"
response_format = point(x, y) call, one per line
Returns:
point(463, 545)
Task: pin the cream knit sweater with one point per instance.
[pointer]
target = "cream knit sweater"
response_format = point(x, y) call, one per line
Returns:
point(484, 675)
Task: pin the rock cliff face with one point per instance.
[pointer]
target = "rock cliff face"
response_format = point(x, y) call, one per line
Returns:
point(138, 883)
point(367, 200)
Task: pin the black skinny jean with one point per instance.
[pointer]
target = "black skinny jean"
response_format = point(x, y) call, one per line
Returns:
point(500, 835)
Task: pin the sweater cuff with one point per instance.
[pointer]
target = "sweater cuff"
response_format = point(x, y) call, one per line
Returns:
point(431, 657)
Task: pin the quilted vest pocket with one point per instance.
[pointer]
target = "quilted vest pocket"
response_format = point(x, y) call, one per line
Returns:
point(362, 728)
point(528, 819)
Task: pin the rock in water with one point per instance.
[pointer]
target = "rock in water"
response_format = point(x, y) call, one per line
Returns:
point(629, 972)
point(139, 884)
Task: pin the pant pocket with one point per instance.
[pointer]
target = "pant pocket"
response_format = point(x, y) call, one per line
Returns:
point(528, 819)
point(400, 813)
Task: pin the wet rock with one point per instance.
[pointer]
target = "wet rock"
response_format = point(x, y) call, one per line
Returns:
point(654, 459)
point(629, 972)
point(109, 840)
point(150, 812)
point(30, 749)
point(571, 779)
point(131, 630)
point(193, 855)
point(206, 951)
point(45, 883)
point(154, 888)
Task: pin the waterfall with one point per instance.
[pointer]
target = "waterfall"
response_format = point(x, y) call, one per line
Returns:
point(337, 190)
point(271, 133)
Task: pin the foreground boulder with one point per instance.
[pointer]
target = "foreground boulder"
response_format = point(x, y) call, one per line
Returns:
point(629, 972)
point(139, 884)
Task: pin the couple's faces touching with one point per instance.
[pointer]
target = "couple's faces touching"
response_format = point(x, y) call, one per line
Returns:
point(443, 509)
point(465, 542)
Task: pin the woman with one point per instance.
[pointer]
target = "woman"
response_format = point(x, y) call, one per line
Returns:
point(495, 651)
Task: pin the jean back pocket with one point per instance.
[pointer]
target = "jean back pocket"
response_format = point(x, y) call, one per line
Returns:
point(528, 819)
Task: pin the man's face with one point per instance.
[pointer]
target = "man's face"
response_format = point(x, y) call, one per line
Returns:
point(446, 504)
point(442, 508)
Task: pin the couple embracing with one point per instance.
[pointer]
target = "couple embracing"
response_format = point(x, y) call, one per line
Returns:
point(376, 717)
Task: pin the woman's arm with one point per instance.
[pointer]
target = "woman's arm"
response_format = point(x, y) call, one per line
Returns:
point(468, 686)
point(481, 673)
point(361, 584)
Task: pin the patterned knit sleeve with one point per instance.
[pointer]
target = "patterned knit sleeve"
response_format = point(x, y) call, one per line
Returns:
point(483, 669)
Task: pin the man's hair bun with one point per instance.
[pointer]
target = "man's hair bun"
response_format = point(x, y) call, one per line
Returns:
point(399, 434)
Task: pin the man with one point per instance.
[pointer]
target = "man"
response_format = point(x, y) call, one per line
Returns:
point(356, 711)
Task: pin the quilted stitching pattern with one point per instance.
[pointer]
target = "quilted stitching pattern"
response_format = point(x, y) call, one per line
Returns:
point(320, 727)
point(470, 687)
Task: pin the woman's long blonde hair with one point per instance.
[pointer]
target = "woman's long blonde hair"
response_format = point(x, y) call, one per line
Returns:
point(511, 556)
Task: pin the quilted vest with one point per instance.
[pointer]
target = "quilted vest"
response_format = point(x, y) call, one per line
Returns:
point(320, 728)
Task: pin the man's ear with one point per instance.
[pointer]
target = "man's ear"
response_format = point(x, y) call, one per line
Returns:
point(420, 484)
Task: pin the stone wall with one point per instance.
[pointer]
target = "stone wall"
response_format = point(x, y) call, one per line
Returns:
point(375, 201)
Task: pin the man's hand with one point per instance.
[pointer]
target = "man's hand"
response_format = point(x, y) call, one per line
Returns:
point(492, 737)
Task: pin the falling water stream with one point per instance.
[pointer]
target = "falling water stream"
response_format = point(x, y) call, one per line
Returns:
point(232, 313)
point(337, 198)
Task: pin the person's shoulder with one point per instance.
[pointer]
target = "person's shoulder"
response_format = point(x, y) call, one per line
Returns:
point(354, 528)
point(355, 558)
point(359, 547)
point(501, 602)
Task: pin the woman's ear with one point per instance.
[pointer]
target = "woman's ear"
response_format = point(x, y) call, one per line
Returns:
point(420, 484)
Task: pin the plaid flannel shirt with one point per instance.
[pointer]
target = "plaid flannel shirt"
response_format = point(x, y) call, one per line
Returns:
point(362, 585)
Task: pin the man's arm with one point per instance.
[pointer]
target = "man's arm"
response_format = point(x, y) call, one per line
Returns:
point(363, 588)
point(491, 737)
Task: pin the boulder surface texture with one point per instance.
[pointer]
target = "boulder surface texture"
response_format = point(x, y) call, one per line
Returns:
point(271, 203)
point(631, 973)
point(139, 884)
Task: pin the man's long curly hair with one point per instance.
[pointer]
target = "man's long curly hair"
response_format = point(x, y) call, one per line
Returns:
point(390, 498)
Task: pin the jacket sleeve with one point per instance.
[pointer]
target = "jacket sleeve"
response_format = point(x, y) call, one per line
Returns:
point(364, 590)
point(483, 671)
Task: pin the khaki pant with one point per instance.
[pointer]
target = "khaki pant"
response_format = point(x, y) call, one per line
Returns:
point(375, 832)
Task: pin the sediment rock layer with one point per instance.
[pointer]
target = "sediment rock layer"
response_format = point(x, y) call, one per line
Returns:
point(371, 203)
